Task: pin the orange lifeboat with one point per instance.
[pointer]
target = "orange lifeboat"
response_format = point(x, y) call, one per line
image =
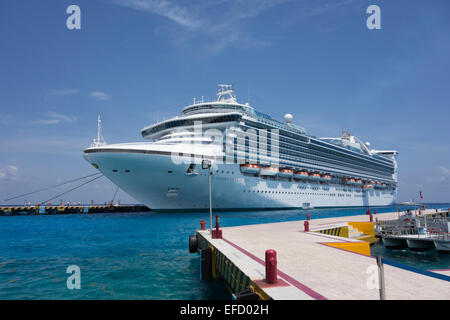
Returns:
point(286, 173)
point(367, 187)
point(250, 168)
point(268, 171)
point(314, 176)
point(301, 175)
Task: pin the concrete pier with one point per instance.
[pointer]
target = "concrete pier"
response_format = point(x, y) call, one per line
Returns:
point(314, 265)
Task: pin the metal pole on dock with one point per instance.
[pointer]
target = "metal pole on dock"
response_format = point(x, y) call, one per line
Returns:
point(210, 200)
point(381, 277)
point(206, 164)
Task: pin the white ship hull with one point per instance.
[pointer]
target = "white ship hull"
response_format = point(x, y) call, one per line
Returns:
point(156, 180)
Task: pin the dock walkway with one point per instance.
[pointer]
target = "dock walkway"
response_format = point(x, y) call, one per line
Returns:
point(317, 266)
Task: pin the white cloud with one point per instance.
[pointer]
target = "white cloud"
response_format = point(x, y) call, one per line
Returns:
point(99, 95)
point(9, 173)
point(5, 119)
point(223, 22)
point(445, 171)
point(61, 92)
point(174, 12)
point(56, 118)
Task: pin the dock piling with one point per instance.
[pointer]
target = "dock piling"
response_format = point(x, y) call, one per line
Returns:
point(271, 266)
point(217, 233)
point(306, 224)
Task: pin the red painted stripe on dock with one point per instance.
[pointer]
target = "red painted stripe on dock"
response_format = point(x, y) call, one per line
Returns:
point(286, 277)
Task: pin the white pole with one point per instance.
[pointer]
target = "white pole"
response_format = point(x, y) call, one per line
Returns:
point(210, 200)
point(381, 278)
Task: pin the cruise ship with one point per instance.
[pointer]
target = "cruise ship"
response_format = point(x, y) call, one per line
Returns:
point(255, 162)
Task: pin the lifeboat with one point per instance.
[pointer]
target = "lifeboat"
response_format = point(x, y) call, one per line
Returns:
point(358, 182)
point(286, 173)
point(268, 171)
point(349, 180)
point(325, 177)
point(250, 168)
point(301, 175)
point(367, 187)
point(314, 176)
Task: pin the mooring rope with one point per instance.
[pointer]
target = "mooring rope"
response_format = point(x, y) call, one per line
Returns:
point(115, 193)
point(85, 183)
point(51, 187)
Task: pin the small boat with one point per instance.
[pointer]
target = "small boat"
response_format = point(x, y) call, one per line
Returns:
point(417, 244)
point(307, 205)
point(269, 171)
point(314, 176)
point(325, 177)
point(394, 243)
point(286, 173)
point(301, 175)
point(442, 245)
point(367, 187)
point(250, 168)
point(349, 181)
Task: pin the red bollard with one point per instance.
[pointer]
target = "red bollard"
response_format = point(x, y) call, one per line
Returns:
point(217, 234)
point(308, 217)
point(374, 211)
point(370, 217)
point(271, 266)
point(202, 224)
point(368, 211)
point(306, 223)
point(420, 213)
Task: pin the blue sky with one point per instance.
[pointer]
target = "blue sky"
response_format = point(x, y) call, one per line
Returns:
point(140, 61)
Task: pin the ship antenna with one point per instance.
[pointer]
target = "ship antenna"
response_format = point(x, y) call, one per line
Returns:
point(99, 141)
point(248, 94)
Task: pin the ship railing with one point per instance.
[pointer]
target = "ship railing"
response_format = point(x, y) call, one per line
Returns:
point(431, 227)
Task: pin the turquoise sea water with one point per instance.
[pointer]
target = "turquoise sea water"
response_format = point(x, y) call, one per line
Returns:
point(134, 255)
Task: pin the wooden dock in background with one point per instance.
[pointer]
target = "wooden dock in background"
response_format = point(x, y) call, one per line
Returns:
point(69, 209)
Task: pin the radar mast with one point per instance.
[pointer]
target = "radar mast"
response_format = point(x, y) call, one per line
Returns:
point(99, 141)
point(225, 93)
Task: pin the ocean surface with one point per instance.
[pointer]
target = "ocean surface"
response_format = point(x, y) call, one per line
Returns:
point(135, 255)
